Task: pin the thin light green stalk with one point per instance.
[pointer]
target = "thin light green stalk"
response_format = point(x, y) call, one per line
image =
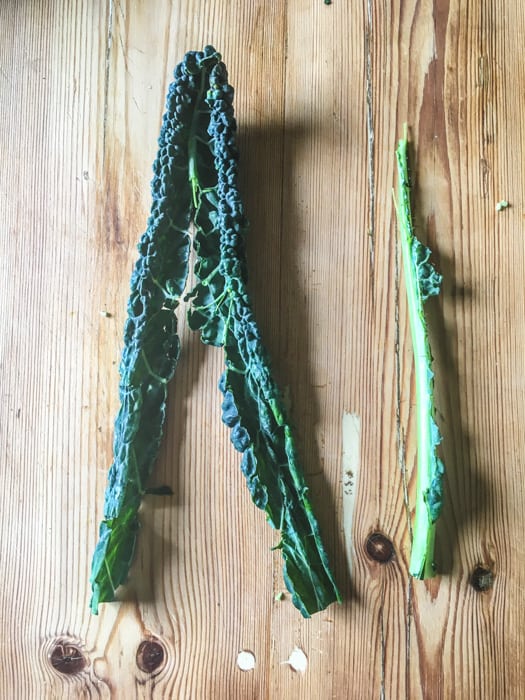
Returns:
point(193, 174)
point(421, 281)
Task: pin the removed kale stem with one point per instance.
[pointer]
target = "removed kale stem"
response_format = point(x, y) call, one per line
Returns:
point(196, 181)
point(422, 281)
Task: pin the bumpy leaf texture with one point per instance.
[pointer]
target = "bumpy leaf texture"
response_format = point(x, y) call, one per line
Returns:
point(195, 180)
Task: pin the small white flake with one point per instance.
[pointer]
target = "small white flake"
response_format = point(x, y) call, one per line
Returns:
point(298, 660)
point(246, 660)
point(503, 204)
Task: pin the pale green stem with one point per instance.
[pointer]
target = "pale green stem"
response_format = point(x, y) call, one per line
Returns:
point(422, 554)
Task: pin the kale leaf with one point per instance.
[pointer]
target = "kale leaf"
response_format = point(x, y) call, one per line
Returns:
point(195, 181)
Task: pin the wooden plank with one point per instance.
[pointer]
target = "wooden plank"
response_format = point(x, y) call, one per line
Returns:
point(322, 93)
point(440, 62)
point(51, 73)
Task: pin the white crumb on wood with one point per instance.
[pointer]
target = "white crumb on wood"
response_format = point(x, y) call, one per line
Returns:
point(246, 660)
point(298, 661)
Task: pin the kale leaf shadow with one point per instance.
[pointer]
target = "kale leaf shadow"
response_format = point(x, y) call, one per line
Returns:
point(469, 493)
point(267, 185)
point(156, 554)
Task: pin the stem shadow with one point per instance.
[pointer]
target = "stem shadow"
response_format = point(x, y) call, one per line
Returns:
point(469, 492)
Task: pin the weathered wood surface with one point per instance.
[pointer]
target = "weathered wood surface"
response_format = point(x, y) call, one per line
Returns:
point(322, 93)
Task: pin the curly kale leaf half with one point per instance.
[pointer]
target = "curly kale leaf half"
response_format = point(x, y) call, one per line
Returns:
point(196, 180)
point(252, 405)
point(422, 281)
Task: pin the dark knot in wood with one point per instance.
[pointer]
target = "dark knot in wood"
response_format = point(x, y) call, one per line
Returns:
point(150, 656)
point(380, 548)
point(67, 658)
point(482, 579)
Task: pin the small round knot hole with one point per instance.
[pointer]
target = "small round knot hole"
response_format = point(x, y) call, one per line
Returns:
point(482, 579)
point(67, 658)
point(380, 548)
point(150, 656)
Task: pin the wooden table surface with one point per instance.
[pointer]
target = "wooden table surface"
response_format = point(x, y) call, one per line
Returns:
point(322, 93)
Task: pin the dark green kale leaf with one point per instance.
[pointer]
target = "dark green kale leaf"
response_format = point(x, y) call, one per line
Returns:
point(252, 405)
point(196, 180)
point(151, 343)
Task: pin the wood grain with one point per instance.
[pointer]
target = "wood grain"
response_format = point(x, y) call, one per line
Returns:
point(322, 93)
